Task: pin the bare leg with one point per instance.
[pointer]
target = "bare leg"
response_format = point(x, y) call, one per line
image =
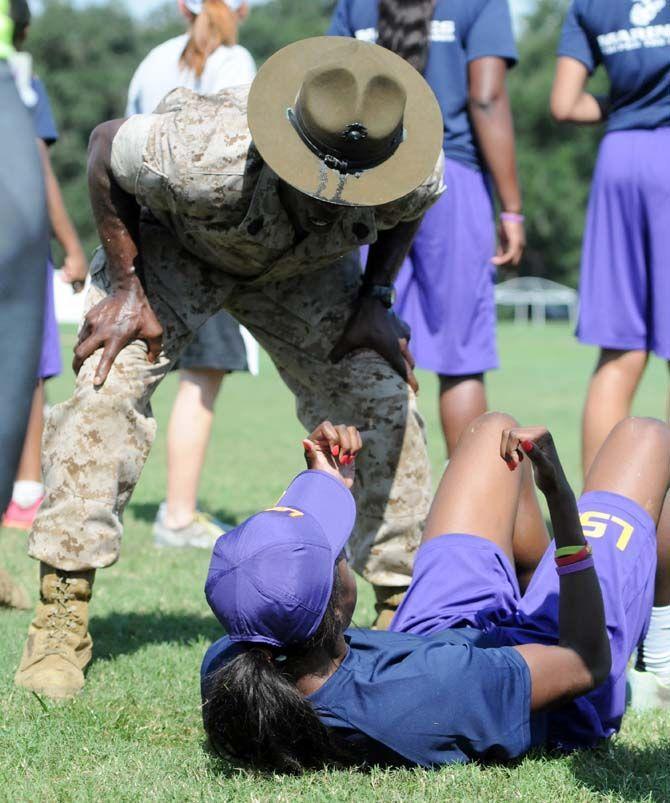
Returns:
point(635, 462)
point(609, 398)
point(662, 588)
point(479, 495)
point(188, 436)
point(462, 399)
point(30, 467)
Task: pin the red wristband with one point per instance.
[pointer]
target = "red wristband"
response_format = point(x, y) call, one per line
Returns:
point(568, 560)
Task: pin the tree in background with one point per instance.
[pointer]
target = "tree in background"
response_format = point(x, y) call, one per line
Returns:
point(555, 162)
point(272, 25)
point(86, 58)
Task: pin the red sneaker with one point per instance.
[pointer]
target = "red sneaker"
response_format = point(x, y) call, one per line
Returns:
point(21, 518)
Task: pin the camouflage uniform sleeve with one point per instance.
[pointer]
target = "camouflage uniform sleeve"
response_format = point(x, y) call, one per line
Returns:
point(416, 203)
point(128, 150)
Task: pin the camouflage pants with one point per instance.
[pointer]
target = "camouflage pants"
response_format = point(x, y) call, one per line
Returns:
point(96, 443)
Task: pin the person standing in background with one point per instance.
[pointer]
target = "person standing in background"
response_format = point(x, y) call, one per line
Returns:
point(625, 282)
point(28, 490)
point(23, 259)
point(207, 59)
point(463, 48)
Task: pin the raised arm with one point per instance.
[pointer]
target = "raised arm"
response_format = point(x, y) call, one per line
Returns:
point(570, 102)
point(582, 660)
point(491, 116)
point(125, 315)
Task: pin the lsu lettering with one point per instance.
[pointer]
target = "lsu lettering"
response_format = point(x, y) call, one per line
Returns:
point(595, 523)
point(292, 512)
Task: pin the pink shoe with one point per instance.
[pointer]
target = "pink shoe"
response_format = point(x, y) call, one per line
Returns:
point(21, 518)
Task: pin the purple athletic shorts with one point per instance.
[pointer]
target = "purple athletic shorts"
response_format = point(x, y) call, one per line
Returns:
point(445, 286)
point(467, 581)
point(625, 276)
point(50, 357)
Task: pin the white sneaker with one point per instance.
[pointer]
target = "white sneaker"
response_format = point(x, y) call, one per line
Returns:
point(645, 691)
point(202, 533)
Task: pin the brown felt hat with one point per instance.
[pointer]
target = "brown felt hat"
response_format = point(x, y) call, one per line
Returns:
point(345, 121)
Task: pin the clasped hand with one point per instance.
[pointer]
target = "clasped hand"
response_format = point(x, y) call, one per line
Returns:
point(538, 444)
point(333, 449)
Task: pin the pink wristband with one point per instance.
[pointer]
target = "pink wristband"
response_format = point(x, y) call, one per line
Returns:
point(582, 566)
point(512, 217)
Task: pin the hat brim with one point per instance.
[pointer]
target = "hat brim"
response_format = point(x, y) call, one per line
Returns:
point(275, 90)
point(326, 500)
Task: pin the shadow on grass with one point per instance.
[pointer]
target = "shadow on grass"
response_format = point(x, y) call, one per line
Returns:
point(146, 511)
point(629, 773)
point(125, 633)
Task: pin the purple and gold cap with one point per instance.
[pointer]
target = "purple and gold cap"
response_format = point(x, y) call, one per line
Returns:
point(271, 578)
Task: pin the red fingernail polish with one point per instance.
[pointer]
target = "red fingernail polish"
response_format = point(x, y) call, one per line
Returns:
point(335, 450)
point(527, 446)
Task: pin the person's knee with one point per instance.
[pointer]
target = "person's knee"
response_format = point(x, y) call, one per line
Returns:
point(620, 361)
point(203, 383)
point(643, 434)
point(493, 421)
point(488, 426)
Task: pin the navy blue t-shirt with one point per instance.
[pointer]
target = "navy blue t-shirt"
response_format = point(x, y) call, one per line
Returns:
point(43, 119)
point(461, 31)
point(632, 41)
point(401, 698)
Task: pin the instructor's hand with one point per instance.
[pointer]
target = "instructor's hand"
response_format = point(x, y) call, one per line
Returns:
point(538, 445)
point(117, 320)
point(333, 449)
point(372, 326)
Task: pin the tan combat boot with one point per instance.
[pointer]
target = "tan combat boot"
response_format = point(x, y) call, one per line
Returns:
point(388, 601)
point(11, 594)
point(59, 645)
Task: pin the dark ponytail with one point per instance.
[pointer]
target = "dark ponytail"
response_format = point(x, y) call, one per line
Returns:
point(404, 28)
point(255, 714)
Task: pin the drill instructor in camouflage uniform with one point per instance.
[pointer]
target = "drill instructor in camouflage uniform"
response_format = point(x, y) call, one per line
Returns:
point(255, 200)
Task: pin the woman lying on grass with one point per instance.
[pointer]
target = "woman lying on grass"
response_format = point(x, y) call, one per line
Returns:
point(471, 668)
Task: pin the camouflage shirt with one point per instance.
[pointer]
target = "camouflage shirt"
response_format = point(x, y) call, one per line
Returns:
point(193, 165)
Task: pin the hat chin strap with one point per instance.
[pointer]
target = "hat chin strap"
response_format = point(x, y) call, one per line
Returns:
point(335, 159)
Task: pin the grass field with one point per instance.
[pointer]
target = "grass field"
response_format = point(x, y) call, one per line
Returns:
point(135, 732)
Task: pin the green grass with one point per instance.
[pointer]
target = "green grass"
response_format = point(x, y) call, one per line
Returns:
point(135, 732)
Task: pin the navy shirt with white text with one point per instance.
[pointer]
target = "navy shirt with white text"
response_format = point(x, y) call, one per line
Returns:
point(632, 41)
point(461, 31)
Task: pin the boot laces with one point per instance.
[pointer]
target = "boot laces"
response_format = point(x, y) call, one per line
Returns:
point(62, 618)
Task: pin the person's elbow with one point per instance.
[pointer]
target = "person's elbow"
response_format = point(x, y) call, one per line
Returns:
point(561, 108)
point(599, 666)
point(485, 101)
point(100, 137)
